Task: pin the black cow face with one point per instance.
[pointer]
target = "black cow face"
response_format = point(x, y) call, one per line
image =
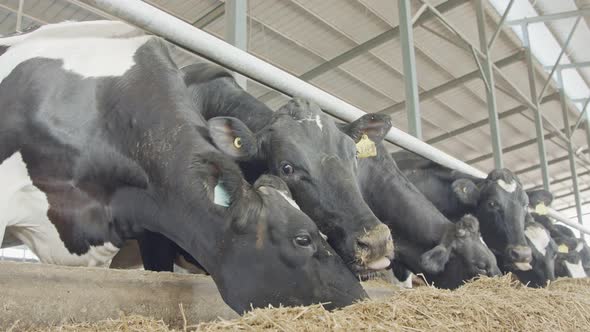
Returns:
point(501, 206)
point(463, 242)
point(271, 244)
point(318, 162)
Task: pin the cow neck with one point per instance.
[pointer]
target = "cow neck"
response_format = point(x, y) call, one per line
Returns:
point(397, 202)
point(223, 97)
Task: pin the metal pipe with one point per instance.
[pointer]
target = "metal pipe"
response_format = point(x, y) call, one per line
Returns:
point(19, 16)
point(149, 18)
point(571, 153)
point(572, 65)
point(581, 117)
point(419, 13)
point(488, 73)
point(561, 53)
point(236, 30)
point(513, 111)
point(560, 180)
point(551, 17)
point(538, 114)
point(500, 24)
point(588, 129)
point(409, 61)
point(447, 86)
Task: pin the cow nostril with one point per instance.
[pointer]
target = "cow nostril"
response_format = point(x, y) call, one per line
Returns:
point(362, 245)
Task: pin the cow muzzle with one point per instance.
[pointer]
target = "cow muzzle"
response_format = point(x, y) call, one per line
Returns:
point(521, 257)
point(374, 249)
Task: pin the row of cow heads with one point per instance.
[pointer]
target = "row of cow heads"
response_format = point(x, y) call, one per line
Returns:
point(399, 204)
point(318, 162)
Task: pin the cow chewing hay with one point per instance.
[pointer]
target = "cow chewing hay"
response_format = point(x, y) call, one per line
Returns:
point(487, 304)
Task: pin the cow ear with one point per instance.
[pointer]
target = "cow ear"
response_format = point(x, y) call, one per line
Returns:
point(434, 260)
point(375, 126)
point(233, 137)
point(275, 183)
point(466, 191)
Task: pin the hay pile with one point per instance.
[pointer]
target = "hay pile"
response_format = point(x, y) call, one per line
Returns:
point(488, 304)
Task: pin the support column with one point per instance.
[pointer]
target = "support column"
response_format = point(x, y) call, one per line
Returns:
point(588, 130)
point(409, 60)
point(236, 29)
point(571, 152)
point(538, 114)
point(488, 77)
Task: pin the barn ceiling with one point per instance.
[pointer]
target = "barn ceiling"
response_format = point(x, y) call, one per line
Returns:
point(300, 35)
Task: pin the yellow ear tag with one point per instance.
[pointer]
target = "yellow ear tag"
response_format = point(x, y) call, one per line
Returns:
point(238, 142)
point(541, 209)
point(563, 249)
point(366, 148)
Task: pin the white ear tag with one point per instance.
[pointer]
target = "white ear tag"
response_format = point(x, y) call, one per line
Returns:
point(563, 249)
point(365, 147)
point(541, 209)
point(221, 196)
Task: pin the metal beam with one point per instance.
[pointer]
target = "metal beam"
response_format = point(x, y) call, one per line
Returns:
point(514, 147)
point(236, 30)
point(581, 117)
point(32, 18)
point(19, 16)
point(587, 129)
point(572, 65)
point(571, 193)
point(364, 47)
point(500, 24)
point(488, 73)
point(483, 122)
point(447, 86)
point(571, 152)
point(210, 16)
point(561, 53)
point(551, 17)
point(409, 61)
point(561, 180)
point(538, 113)
point(550, 162)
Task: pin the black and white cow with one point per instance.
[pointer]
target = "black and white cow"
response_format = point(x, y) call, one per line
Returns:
point(99, 141)
point(544, 251)
point(499, 203)
point(426, 242)
point(569, 252)
point(303, 146)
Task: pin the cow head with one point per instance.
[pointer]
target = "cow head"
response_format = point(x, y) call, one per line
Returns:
point(501, 206)
point(462, 241)
point(272, 253)
point(318, 162)
point(572, 253)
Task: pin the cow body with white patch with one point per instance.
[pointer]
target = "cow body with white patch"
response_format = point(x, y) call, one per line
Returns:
point(99, 142)
point(565, 253)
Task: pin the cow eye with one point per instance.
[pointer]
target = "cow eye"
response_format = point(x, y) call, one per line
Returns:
point(287, 169)
point(303, 240)
point(493, 204)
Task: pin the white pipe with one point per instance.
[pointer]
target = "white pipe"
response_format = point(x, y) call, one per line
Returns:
point(185, 35)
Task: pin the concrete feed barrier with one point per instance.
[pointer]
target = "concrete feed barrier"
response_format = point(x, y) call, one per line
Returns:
point(42, 295)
